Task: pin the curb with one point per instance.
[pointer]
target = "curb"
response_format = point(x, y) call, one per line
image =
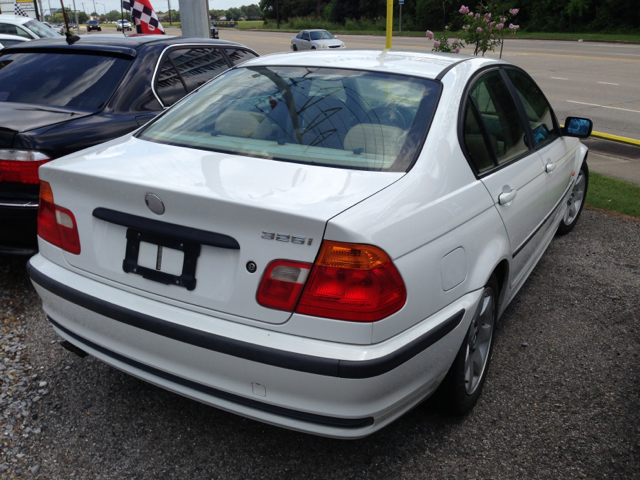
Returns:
point(616, 138)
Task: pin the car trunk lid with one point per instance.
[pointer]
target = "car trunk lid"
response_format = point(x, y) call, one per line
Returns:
point(232, 209)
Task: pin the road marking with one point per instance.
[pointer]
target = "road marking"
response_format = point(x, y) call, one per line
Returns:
point(608, 83)
point(579, 56)
point(559, 78)
point(604, 106)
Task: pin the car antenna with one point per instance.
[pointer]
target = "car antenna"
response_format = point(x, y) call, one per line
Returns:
point(71, 39)
point(124, 32)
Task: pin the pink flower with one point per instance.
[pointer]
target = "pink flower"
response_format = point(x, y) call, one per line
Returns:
point(457, 50)
point(464, 10)
point(477, 15)
point(492, 24)
point(479, 29)
point(500, 26)
point(447, 27)
point(487, 15)
point(436, 44)
point(429, 34)
point(492, 36)
point(514, 11)
point(503, 19)
point(470, 14)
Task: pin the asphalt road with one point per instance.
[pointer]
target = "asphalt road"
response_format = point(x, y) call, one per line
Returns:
point(562, 398)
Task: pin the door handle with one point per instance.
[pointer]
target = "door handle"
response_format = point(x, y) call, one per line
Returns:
point(550, 167)
point(506, 197)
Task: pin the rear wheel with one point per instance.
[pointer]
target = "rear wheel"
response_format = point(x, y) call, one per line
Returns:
point(295, 48)
point(463, 384)
point(313, 48)
point(576, 201)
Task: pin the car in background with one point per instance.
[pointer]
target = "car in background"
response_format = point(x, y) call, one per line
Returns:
point(98, 89)
point(93, 25)
point(315, 40)
point(56, 28)
point(123, 25)
point(214, 31)
point(10, 40)
point(318, 241)
point(25, 27)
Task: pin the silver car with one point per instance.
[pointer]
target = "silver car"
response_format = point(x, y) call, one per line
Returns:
point(315, 40)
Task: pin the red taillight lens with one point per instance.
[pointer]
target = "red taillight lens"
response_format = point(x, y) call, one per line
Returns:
point(21, 166)
point(352, 282)
point(57, 225)
point(282, 283)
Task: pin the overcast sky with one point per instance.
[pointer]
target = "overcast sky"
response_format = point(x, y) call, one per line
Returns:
point(158, 5)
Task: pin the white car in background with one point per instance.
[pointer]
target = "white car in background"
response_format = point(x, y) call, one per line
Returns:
point(315, 40)
point(316, 241)
point(25, 27)
point(9, 40)
point(123, 25)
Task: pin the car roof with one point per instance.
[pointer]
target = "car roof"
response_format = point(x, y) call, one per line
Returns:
point(114, 43)
point(427, 65)
point(14, 19)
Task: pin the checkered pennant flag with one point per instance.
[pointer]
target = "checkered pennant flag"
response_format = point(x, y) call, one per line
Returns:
point(143, 14)
point(19, 11)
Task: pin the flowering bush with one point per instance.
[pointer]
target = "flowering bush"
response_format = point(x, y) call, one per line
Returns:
point(479, 30)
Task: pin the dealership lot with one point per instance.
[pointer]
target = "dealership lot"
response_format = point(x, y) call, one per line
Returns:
point(561, 400)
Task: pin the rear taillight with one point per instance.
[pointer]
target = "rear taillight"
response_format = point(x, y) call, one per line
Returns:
point(352, 282)
point(57, 225)
point(21, 166)
point(282, 283)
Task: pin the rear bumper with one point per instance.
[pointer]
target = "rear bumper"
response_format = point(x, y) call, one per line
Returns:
point(18, 229)
point(268, 376)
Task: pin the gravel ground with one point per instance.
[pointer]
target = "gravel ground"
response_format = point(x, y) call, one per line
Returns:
point(562, 398)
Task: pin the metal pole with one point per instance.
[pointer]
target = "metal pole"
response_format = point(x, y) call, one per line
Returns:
point(278, 14)
point(94, 8)
point(76, 12)
point(35, 5)
point(389, 23)
point(50, 13)
point(400, 19)
point(170, 21)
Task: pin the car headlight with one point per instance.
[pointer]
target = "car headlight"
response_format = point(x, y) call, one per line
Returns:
point(322, 46)
point(344, 45)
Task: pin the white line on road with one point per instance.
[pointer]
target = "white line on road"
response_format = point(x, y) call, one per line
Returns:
point(604, 106)
point(559, 78)
point(608, 83)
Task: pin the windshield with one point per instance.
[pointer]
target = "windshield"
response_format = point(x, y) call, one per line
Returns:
point(41, 30)
point(71, 80)
point(321, 116)
point(321, 35)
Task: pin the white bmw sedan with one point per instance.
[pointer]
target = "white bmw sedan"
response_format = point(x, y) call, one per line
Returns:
point(316, 241)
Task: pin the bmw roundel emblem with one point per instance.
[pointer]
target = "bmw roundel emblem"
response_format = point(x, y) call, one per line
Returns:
point(154, 203)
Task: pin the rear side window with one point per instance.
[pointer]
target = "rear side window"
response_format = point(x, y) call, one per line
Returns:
point(536, 107)
point(185, 69)
point(72, 80)
point(238, 55)
point(321, 116)
point(40, 29)
point(9, 29)
point(500, 116)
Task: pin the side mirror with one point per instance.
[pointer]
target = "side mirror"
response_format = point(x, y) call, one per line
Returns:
point(577, 127)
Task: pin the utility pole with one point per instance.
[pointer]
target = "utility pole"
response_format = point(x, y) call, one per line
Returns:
point(94, 7)
point(278, 14)
point(400, 19)
point(50, 13)
point(76, 12)
point(170, 21)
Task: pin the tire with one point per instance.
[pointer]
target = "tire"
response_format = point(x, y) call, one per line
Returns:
point(295, 48)
point(575, 204)
point(313, 48)
point(463, 384)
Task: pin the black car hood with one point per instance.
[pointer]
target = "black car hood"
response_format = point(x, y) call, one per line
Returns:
point(20, 117)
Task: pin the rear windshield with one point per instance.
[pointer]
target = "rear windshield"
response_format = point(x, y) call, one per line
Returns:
point(61, 80)
point(321, 116)
point(40, 29)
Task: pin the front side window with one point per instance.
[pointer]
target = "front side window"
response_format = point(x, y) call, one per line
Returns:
point(321, 116)
point(500, 116)
point(321, 35)
point(305, 36)
point(72, 79)
point(536, 107)
point(10, 29)
point(299, 35)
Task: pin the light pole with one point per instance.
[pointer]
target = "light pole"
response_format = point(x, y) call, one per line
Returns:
point(103, 6)
point(170, 22)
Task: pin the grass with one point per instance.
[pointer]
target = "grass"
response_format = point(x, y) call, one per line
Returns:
point(614, 195)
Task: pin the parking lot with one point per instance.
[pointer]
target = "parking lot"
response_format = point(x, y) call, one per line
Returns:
point(562, 398)
point(561, 401)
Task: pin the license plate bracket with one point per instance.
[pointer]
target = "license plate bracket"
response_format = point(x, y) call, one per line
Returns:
point(191, 253)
